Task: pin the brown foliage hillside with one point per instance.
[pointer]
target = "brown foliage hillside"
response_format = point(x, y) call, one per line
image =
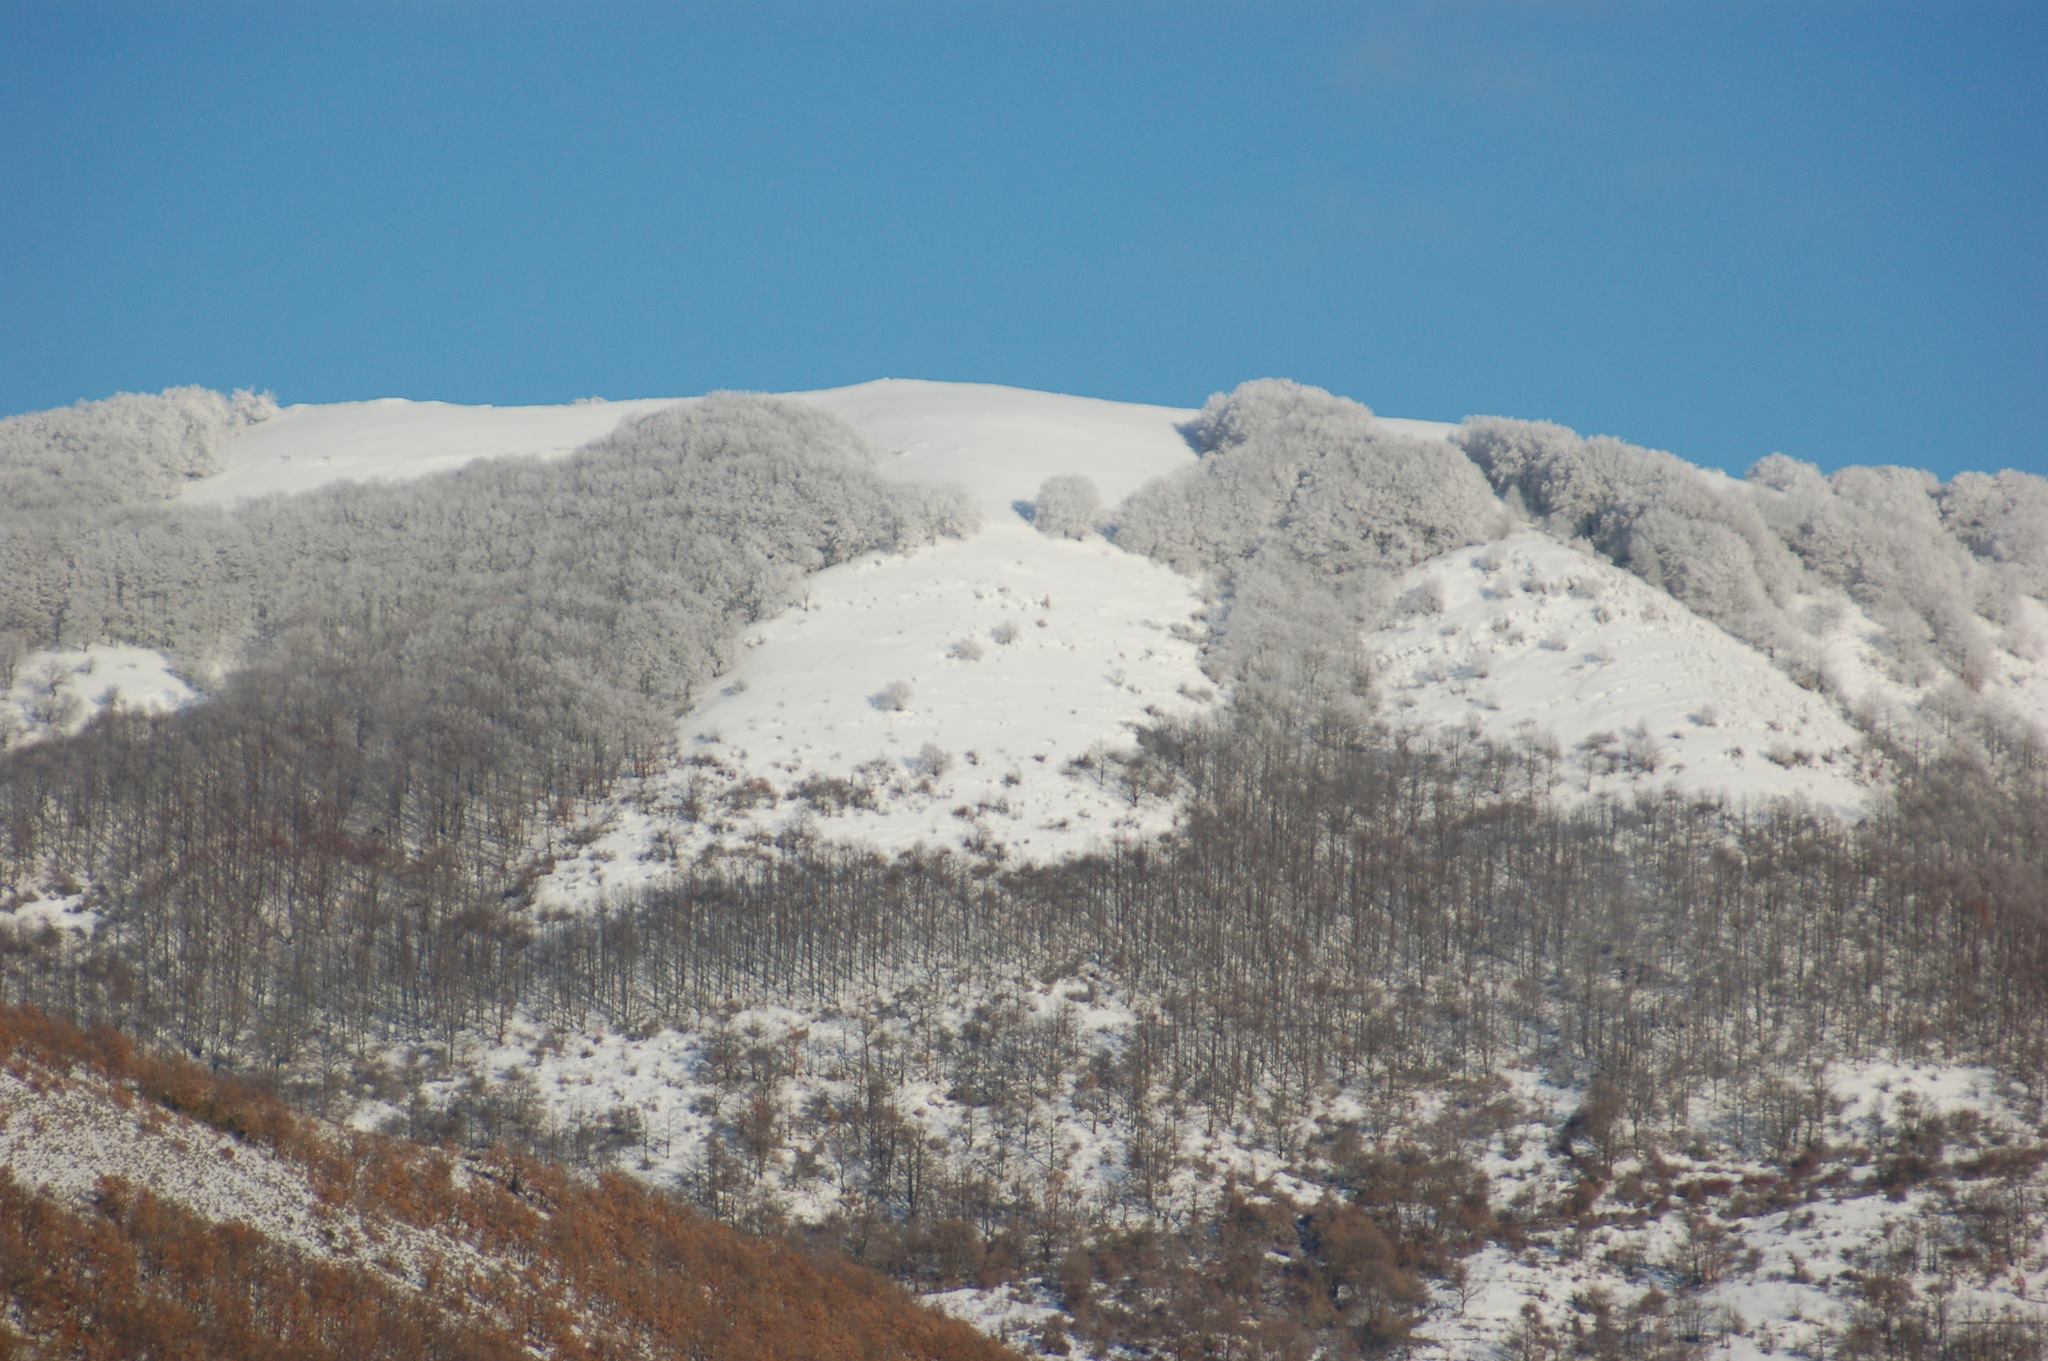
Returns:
point(525, 1259)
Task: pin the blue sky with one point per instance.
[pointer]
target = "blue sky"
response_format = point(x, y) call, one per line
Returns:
point(1719, 228)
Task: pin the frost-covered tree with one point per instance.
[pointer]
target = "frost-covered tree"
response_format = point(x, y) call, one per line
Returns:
point(1651, 512)
point(1067, 507)
point(130, 447)
point(1281, 459)
point(1291, 643)
point(1298, 486)
point(2002, 518)
point(1882, 535)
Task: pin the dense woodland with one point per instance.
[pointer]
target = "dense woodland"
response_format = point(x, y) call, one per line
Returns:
point(79, 462)
point(335, 853)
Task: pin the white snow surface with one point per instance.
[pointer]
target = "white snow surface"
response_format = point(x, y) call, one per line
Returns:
point(1529, 636)
point(392, 439)
point(56, 691)
point(978, 747)
point(934, 432)
point(1000, 443)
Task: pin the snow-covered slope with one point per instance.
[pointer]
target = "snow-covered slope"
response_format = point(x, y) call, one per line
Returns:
point(964, 695)
point(1852, 649)
point(391, 439)
point(112, 1160)
point(61, 1135)
point(1000, 443)
point(961, 695)
point(1528, 636)
point(976, 435)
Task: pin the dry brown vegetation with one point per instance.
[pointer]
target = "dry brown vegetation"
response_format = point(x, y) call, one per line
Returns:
point(537, 1261)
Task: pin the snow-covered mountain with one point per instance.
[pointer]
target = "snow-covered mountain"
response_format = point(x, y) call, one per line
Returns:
point(573, 767)
point(968, 693)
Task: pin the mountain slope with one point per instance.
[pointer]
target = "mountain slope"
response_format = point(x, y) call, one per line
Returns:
point(1267, 1000)
point(1526, 637)
point(1000, 445)
point(1099, 641)
point(148, 1207)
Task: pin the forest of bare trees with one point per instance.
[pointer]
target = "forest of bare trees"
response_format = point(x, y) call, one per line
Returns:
point(1341, 906)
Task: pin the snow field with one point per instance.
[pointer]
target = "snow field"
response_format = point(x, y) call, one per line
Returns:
point(940, 698)
point(1001, 443)
point(1527, 636)
point(391, 439)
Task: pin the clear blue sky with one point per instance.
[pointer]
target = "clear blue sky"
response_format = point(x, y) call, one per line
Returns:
point(1722, 228)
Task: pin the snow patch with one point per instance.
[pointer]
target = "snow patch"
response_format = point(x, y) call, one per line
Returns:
point(1530, 638)
point(392, 440)
point(57, 691)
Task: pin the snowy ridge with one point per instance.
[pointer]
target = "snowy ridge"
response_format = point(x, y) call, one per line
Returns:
point(1001, 442)
point(966, 695)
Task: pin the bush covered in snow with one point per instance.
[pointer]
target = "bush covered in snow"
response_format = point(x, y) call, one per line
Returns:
point(1067, 507)
point(2003, 519)
point(1294, 468)
point(1881, 535)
